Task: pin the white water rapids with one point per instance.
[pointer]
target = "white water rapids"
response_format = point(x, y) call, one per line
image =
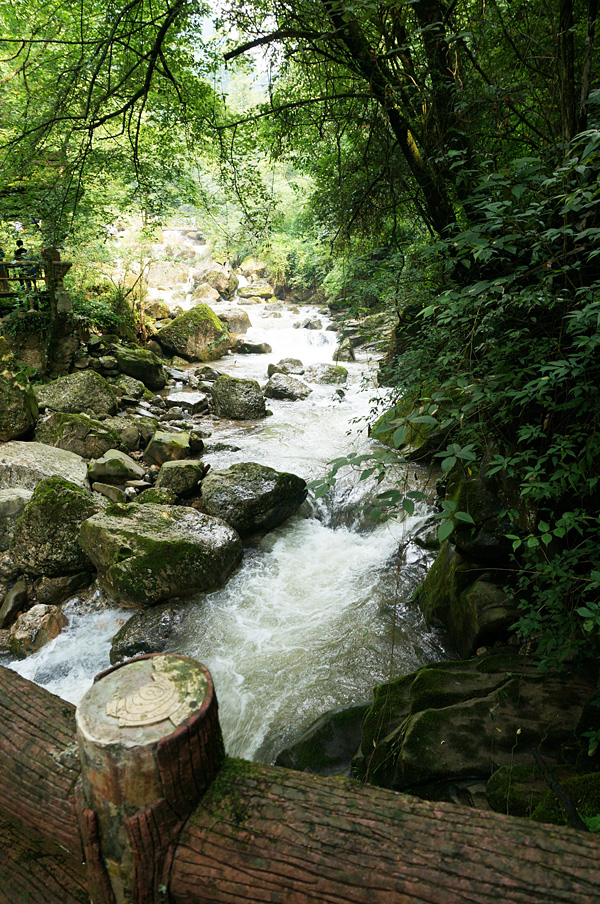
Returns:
point(320, 610)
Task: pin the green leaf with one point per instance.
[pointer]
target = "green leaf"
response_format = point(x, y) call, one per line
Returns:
point(399, 436)
point(448, 463)
point(408, 506)
point(464, 516)
point(445, 529)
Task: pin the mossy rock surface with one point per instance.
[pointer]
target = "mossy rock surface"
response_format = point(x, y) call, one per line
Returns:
point(518, 789)
point(465, 720)
point(78, 433)
point(141, 364)
point(252, 497)
point(326, 373)
point(78, 392)
point(584, 791)
point(180, 477)
point(238, 399)
point(148, 553)
point(196, 335)
point(329, 743)
point(165, 447)
point(46, 536)
point(157, 496)
point(18, 402)
point(147, 631)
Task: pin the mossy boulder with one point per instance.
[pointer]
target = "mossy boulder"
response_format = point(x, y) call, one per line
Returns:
point(116, 468)
point(252, 497)
point(77, 433)
point(326, 373)
point(238, 399)
point(46, 536)
point(180, 477)
point(78, 392)
point(196, 335)
point(455, 721)
point(329, 743)
point(129, 386)
point(584, 791)
point(485, 540)
point(141, 364)
point(223, 281)
point(148, 553)
point(518, 789)
point(18, 402)
point(465, 601)
point(256, 290)
point(156, 496)
point(165, 447)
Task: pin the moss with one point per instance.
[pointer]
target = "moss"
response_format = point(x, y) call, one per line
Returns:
point(390, 707)
point(584, 791)
point(518, 789)
point(438, 688)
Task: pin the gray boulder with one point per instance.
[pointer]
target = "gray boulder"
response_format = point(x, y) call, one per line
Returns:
point(286, 366)
point(252, 497)
point(197, 335)
point(147, 631)
point(326, 373)
point(115, 467)
point(220, 279)
point(25, 464)
point(77, 433)
point(141, 364)
point(12, 505)
point(165, 446)
point(46, 537)
point(180, 477)
point(77, 392)
point(129, 386)
point(148, 553)
point(238, 399)
point(244, 347)
point(329, 744)
point(237, 320)
point(256, 290)
point(282, 386)
point(18, 403)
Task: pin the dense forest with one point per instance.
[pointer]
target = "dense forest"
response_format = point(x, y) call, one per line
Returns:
point(436, 160)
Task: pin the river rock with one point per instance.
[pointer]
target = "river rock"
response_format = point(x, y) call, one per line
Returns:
point(77, 433)
point(12, 505)
point(468, 603)
point(310, 323)
point(237, 320)
point(256, 290)
point(252, 497)
point(205, 292)
point(222, 280)
point(77, 392)
point(18, 402)
point(243, 347)
point(193, 402)
point(459, 721)
point(148, 553)
point(282, 386)
point(344, 352)
point(166, 274)
point(329, 744)
point(46, 537)
point(52, 591)
point(115, 467)
point(326, 373)
point(167, 447)
point(197, 335)
point(157, 310)
point(286, 366)
point(180, 477)
point(141, 364)
point(109, 491)
point(23, 465)
point(147, 631)
point(14, 601)
point(157, 496)
point(238, 399)
point(129, 387)
point(35, 628)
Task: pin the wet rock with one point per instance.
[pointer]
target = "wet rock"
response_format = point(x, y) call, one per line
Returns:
point(167, 447)
point(114, 467)
point(329, 744)
point(46, 536)
point(23, 465)
point(236, 319)
point(154, 496)
point(35, 628)
point(220, 279)
point(205, 292)
point(193, 402)
point(157, 310)
point(326, 373)
point(13, 603)
point(207, 373)
point(52, 591)
point(197, 335)
point(256, 290)
point(114, 493)
point(12, 504)
point(454, 721)
point(286, 366)
point(282, 386)
point(77, 392)
point(344, 352)
point(310, 323)
point(141, 364)
point(129, 387)
point(243, 347)
point(252, 497)
point(18, 402)
point(180, 477)
point(148, 553)
point(147, 631)
point(77, 433)
point(238, 399)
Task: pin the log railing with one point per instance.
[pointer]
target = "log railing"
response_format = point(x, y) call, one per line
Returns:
point(130, 800)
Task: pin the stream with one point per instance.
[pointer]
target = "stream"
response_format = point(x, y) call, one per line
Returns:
point(319, 611)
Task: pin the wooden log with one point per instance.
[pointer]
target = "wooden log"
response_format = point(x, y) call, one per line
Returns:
point(150, 744)
point(265, 834)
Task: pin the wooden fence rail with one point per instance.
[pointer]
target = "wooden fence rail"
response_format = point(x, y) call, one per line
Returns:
point(130, 800)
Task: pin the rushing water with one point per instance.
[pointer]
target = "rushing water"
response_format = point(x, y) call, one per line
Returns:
point(319, 612)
